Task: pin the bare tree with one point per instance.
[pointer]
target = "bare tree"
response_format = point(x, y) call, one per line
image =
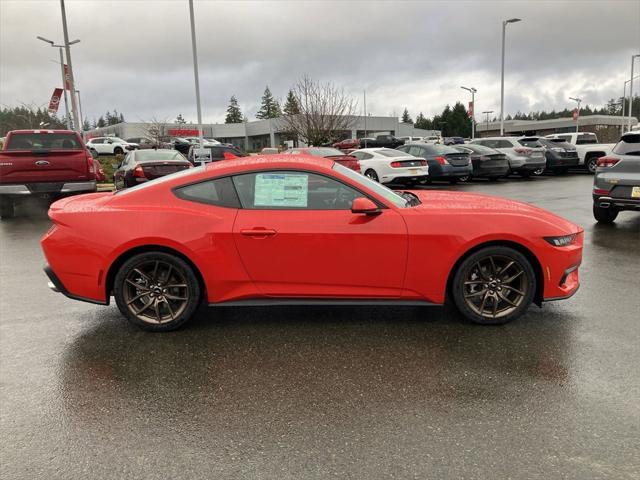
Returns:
point(326, 111)
point(154, 130)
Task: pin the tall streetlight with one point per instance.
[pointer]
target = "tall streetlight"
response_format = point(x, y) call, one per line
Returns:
point(487, 112)
point(579, 101)
point(473, 107)
point(633, 58)
point(64, 80)
point(195, 73)
point(504, 30)
point(72, 82)
point(624, 98)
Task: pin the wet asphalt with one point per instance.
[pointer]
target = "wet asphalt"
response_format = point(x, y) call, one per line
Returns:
point(339, 392)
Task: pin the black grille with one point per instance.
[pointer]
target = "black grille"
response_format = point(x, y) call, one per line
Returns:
point(45, 187)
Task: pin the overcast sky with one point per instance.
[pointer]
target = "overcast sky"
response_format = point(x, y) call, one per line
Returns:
point(135, 56)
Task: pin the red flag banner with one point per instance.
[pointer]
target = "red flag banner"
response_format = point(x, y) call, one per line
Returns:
point(67, 81)
point(576, 113)
point(55, 100)
point(470, 111)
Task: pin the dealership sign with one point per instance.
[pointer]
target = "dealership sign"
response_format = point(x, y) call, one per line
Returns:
point(55, 100)
point(183, 132)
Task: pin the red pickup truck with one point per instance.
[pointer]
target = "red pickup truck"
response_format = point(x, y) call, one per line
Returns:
point(43, 163)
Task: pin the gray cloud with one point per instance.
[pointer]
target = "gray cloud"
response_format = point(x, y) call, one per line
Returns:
point(135, 56)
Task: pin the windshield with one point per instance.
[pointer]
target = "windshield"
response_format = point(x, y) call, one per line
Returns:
point(529, 142)
point(158, 155)
point(387, 152)
point(378, 188)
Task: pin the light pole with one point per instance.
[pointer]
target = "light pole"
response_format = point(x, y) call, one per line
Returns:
point(623, 102)
point(195, 73)
point(473, 108)
point(72, 82)
point(64, 80)
point(504, 30)
point(633, 58)
point(365, 119)
point(81, 117)
point(579, 101)
point(487, 112)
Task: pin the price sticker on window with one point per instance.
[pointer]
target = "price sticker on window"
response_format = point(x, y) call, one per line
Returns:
point(281, 190)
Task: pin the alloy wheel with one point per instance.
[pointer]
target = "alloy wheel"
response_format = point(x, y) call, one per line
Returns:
point(156, 292)
point(495, 286)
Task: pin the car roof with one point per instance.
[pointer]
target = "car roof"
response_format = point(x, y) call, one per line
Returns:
point(274, 160)
point(497, 138)
point(41, 130)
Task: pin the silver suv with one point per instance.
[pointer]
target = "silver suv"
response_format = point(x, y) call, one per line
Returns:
point(616, 184)
point(523, 159)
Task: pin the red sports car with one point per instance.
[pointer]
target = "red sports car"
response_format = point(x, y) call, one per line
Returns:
point(286, 229)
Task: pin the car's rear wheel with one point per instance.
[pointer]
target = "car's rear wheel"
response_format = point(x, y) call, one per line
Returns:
point(7, 208)
point(466, 178)
point(118, 151)
point(494, 285)
point(538, 172)
point(604, 215)
point(372, 175)
point(591, 163)
point(156, 291)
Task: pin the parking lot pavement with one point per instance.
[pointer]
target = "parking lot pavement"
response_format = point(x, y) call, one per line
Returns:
point(347, 392)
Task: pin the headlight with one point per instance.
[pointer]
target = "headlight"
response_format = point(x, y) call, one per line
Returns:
point(557, 149)
point(562, 241)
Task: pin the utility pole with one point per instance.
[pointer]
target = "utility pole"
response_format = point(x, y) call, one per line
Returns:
point(72, 83)
point(504, 30)
point(633, 58)
point(365, 119)
point(195, 73)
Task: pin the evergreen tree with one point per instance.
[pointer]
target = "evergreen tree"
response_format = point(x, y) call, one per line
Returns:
point(291, 106)
point(405, 116)
point(234, 115)
point(101, 123)
point(270, 108)
point(85, 125)
point(180, 120)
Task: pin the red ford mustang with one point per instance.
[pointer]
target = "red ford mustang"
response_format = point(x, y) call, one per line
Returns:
point(280, 229)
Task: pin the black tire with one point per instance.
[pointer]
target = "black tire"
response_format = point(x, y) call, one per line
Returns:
point(538, 172)
point(466, 178)
point(488, 270)
point(590, 163)
point(7, 208)
point(185, 294)
point(372, 175)
point(118, 151)
point(604, 215)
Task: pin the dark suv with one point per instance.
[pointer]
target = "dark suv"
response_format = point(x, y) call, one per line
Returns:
point(218, 152)
point(616, 184)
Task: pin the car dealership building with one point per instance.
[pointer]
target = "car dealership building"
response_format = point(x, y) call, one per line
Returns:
point(255, 135)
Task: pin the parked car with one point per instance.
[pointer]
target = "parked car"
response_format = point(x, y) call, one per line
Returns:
point(347, 144)
point(110, 145)
point(559, 154)
point(146, 143)
point(616, 184)
point(453, 141)
point(522, 160)
point(215, 153)
point(45, 164)
point(140, 166)
point(587, 146)
point(349, 161)
point(445, 163)
point(386, 165)
point(269, 151)
point(381, 141)
point(486, 162)
point(409, 139)
point(256, 232)
point(181, 144)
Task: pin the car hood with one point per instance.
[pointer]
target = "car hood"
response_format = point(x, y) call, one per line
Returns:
point(473, 203)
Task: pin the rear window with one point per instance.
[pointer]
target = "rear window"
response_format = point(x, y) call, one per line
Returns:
point(325, 152)
point(154, 155)
point(481, 149)
point(387, 152)
point(628, 145)
point(219, 192)
point(529, 142)
point(43, 141)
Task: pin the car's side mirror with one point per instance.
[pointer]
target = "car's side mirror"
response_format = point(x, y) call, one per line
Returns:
point(364, 205)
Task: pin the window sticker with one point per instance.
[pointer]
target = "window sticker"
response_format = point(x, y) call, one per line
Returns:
point(281, 190)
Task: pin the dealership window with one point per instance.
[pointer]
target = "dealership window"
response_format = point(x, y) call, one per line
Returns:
point(293, 190)
point(218, 192)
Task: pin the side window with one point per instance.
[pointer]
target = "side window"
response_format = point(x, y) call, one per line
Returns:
point(504, 144)
point(218, 192)
point(217, 153)
point(98, 141)
point(291, 190)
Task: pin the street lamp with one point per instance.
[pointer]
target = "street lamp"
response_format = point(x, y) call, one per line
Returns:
point(504, 29)
point(624, 98)
point(579, 101)
point(473, 107)
point(64, 80)
point(487, 112)
point(633, 57)
point(195, 73)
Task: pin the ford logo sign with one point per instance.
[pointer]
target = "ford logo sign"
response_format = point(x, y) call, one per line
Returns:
point(42, 163)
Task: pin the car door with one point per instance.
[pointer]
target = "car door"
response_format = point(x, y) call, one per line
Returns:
point(98, 145)
point(297, 237)
point(119, 175)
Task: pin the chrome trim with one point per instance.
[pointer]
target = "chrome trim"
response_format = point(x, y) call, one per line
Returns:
point(14, 190)
point(78, 187)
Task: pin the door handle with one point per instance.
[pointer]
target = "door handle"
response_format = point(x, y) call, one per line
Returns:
point(258, 232)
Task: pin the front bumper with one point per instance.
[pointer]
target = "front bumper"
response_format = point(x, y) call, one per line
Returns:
point(48, 188)
point(562, 162)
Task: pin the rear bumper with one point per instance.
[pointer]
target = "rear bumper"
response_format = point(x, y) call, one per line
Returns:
point(494, 171)
point(48, 188)
point(56, 285)
point(618, 203)
point(437, 171)
point(531, 165)
point(562, 162)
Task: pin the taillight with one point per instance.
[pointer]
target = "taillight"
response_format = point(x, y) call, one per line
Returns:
point(523, 151)
point(607, 162)
point(396, 164)
point(600, 191)
point(138, 172)
point(441, 160)
point(90, 165)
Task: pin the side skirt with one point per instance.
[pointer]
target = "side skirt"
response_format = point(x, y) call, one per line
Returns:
point(265, 302)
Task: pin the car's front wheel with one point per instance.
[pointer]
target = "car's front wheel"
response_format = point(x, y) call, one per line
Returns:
point(372, 175)
point(156, 291)
point(493, 285)
point(604, 215)
point(592, 163)
point(118, 151)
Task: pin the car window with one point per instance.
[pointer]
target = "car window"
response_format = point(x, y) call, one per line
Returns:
point(628, 145)
point(387, 152)
point(529, 142)
point(293, 190)
point(220, 192)
point(502, 144)
point(361, 155)
point(415, 151)
point(586, 139)
point(97, 140)
point(43, 141)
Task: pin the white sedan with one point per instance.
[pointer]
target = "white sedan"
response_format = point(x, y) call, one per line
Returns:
point(385, 165)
